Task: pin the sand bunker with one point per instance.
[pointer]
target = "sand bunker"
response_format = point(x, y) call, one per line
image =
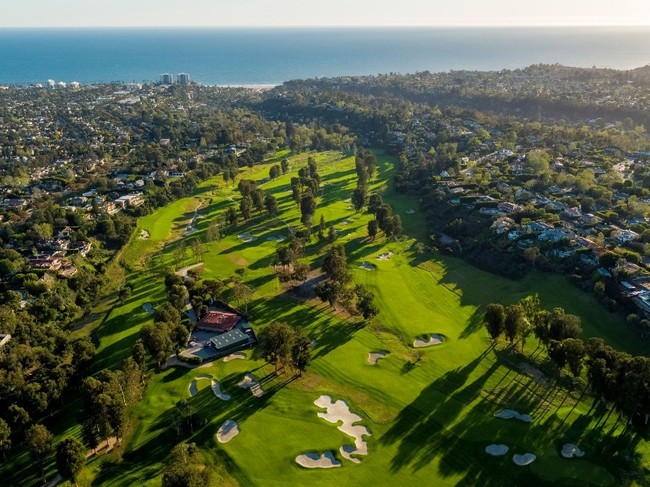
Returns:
point(148, 308)
point(525, 459)
point(337, 412)
point(314, 460)
point(144, 235)
point(278, 238)
point(570, 450)
point(410, 211)
point(373, 357)
point(496, 450)
point(346, 222)
point(246, 237)
point(251, 383)
point(510, 414)
point(434, 339)
point(367, 266)
point(235, 356)
point(193, 389)
point(217, 391)
point(385, 256)
point(228, 430)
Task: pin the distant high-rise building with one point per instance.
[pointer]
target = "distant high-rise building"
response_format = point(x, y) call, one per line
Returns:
point(184, 78)
point(51, 83)
point(167, 79)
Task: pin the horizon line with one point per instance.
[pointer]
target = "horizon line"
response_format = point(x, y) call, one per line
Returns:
point(324, 26)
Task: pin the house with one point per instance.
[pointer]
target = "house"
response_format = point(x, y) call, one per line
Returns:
point(110, 208)
point(572, 212)
point(13, 203)
point(129, 201)
point(625, 236)
point(219, 321)
point(507, 207)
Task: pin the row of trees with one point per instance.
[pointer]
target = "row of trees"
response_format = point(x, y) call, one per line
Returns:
point(615, 377)
point(338, 287)
point(385, 220)
point(286, 346)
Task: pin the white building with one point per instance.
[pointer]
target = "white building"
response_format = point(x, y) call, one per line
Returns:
point(167, 79)
point(184, 78)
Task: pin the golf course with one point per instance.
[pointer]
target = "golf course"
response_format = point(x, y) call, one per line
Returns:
point(422, 378)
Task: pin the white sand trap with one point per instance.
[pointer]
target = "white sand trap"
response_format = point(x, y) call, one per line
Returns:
point(278, 238)
point(314, 460)
point(346, 222)
point(385, 256)
point(434, 339)
point(525, 459)
point(373, 357)
point(235, 356)
point(216, 388)
point(510, 414)
point(410, 211)
point(148, 308)
point(193, 390)
point(251, 383)
point(144, 235)
point(367, 266)
point(496, 450)
point(228, 430)
point(570, 450)
point(339, 411)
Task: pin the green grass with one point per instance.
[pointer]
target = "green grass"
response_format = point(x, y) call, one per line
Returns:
point(430, 418)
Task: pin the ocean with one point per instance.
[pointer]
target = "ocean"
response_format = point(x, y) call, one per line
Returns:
point(271, 56)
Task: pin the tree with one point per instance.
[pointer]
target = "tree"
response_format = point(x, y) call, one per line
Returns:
point(157, 340)
point(494, 319)
point(277, 341)
point(5, 438)
point(531, 254)
point(395, 226)
point(372, 229)
point(513, 322)
point(284, 165)
point(271, 204)
point(307, 207)
point(213, 232)
point(335, 265)
point(321, 228)
point(574, 351)
point(359, 196)
point(301, 351)
point(186, 468)
point(231, 216)
point(241, 295)
point(374, 203)
point(274, 172)
point(139, 354)
point(70, 458)
point(246, 207)
point(39, 443)
point(365, 302)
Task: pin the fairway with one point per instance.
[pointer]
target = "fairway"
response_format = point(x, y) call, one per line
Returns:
point(430, 411)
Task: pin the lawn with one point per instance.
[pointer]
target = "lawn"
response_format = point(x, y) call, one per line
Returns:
point(430, 412)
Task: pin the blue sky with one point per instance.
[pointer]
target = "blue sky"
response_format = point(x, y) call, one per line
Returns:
point(90, 13)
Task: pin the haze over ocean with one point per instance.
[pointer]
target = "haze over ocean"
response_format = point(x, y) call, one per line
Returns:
point(271, 56)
